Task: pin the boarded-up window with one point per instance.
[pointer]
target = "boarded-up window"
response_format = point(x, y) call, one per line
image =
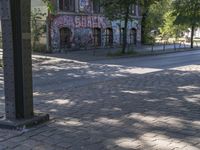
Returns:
point(67, 5)
point(133, 36)
point(109, 37)
point(97, 37)
point(65, 38)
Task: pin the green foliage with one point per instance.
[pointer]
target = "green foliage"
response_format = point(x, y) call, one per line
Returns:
point(37, 28)
point(169, 29)
point(119, 10)
point(40, 47)
point(50, 6)
point(150, 13)
point(187, 12)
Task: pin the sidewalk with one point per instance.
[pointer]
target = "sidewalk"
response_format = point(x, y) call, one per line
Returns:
point(101, 54)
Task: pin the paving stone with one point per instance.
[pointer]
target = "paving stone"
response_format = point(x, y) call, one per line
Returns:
point(112, 107)
point(22, 147)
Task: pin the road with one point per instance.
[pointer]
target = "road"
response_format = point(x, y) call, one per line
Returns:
point(148, 103)
point(68, 73)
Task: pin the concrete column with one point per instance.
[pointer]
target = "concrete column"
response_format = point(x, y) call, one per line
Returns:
point(17, 59)
point(17, 63)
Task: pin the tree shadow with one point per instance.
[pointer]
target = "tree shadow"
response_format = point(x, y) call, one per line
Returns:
point(130, 111)
point(104, 106)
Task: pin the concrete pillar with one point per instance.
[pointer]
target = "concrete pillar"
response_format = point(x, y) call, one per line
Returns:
point(17, 60)
point(17, 64)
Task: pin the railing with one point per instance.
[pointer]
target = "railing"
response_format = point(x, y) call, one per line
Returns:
point(176, 44)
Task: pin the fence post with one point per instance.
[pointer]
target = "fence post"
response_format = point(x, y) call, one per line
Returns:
point(174, 45)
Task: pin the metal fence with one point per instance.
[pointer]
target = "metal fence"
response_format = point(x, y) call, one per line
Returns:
point(173, 44)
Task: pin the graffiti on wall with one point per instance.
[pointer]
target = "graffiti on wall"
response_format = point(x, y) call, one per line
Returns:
point(81, 28)
point(81, 21)
point(82, 37)
point(74, 23)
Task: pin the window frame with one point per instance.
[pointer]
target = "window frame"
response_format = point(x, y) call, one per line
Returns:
point(133, 36)
point(96, 37)
point(67, 32)
point(62, 8)
point(109, 37)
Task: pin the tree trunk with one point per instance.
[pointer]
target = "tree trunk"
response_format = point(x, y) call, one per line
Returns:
point(124, 45)
point(49, 46)
point(143, 28)
point(143, 25)
point(192, 36)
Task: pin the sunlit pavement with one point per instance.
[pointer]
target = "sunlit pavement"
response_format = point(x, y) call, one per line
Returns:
point(150, 103)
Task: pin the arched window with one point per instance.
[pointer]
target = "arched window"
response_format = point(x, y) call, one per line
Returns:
point(109, 37)
point(65, 38)
point(133, 36)
point(67, 5)
point(97, 37)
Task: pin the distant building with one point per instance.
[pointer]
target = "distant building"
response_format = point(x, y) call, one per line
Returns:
point(80, 24)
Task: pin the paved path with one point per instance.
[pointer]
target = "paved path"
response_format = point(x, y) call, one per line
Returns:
point(148, 103)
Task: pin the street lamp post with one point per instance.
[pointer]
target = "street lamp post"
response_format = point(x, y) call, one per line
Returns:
point(15, 18)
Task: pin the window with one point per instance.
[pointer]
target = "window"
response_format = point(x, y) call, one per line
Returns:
point(96, 6)
point(121, 35)
point(97, 37)
point(67, 5)
point(65, 38)
point(134, 10)
point(133, 36)
point(109, 37)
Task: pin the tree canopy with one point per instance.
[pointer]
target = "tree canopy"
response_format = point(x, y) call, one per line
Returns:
point(187, 13)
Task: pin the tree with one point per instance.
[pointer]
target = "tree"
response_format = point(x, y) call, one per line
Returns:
point(155, 19)
point(119, 10)
point(187, 13)
point(146, 7)
point(50, 6)
point(51, 11)
point(169, 29)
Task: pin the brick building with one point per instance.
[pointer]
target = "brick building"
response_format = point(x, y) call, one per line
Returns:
point(80, 24)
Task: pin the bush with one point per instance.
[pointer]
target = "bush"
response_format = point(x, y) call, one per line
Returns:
point(39, 47)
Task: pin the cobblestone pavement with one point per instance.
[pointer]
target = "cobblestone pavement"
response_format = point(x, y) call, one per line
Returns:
point(123, 104)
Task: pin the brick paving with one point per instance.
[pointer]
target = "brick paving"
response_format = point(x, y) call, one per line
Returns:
point(99, 106)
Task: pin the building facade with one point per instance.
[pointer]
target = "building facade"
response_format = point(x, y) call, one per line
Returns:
point(80, 24)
